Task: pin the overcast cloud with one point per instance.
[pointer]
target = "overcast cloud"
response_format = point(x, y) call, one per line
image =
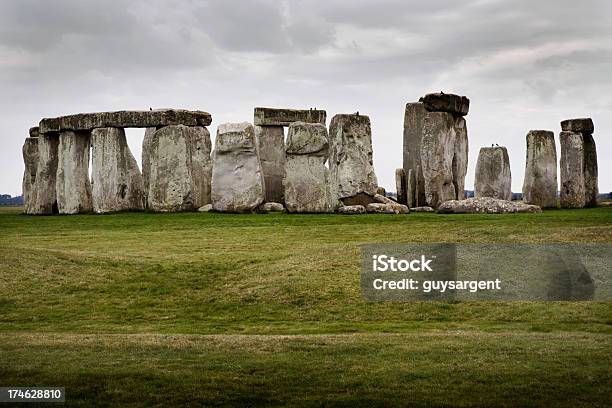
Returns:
point(524, 65)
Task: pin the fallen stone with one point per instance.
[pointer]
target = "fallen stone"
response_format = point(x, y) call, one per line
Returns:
point(400, 186)
point(540, 183)
point(358, 199)
point(381, 191)
point(581, 125)
point(306, 183)
point(422, 209)
point(237, 177)
point(205, 208)
point(146, 162)
point(272, 207)
point(30, 161)
point(44, 198)
point(180, 168)
point(493, 177)
point(414, 117)
point(591, 188)
point(486, 205)
point(116, 180)
point(442, 102)
point(351, 209)
point(271, 146)
point(285, 117)
point(572, 170)
point(460, 159)
point(351, 162)
point(122, 119)
point(73, 186)
point(379, 198)
point(389, 208)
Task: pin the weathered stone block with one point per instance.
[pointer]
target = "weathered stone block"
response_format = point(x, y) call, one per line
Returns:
point(146, 160)
point(486, 205)
point(271, 147)
point(351, 209)
point(351, 162)
point(540, 184)
point(591, 188)
point(400, 186)
point(411, 188)
point(442, 102)
point(414, 117)
point(581, 125)
point(237, 178)
point(30, 161)
point(306, 182)
point(116, 180)
point(387, 208)
point(285, 117)
point(122, 119)
point(460, 159)
point(572, 170)
point(73, 187)
point(44, 198)
point(493, 176)
point(180, 168)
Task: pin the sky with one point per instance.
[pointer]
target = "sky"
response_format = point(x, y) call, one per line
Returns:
point(523, 64)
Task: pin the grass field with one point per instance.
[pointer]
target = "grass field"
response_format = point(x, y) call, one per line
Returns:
point(215, 309)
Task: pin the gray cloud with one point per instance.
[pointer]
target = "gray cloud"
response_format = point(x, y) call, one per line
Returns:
point(524, 64)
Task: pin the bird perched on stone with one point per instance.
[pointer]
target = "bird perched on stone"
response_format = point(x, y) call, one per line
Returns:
point(492, 145)
point(150, 108)
point(357, 113)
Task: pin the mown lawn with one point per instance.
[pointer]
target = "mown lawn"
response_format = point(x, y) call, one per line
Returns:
point(219, 309)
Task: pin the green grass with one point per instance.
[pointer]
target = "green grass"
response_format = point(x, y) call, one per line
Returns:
point(195, 308)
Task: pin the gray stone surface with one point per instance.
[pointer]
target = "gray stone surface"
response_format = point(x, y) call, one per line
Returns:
point(414, 117)
point(180, 168)
point(572, 170)
point(30, 161)
point(411, 188)
point(580, 125)
point(122, 119)
point(387, 208)
point(460, 159)
point(540, 183)
point(379, 198)
point(351, 209)
point(487, 205)
point(73, 187)
point(493, 176)
point(422, 209)
point(116, 180)
point(591, 188)
point(307, 178)
point(443, 102)
point(272, 207)
point(205, 208)
point(285, 117)
point(400, 186)
point(351, 161)
point(381, 191)
point(437, 153)
point(44, 200)
point(271, 146)
point(237, 178)
point(146, 159)
point(34, 131)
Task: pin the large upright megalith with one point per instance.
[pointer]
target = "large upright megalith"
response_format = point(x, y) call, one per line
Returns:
point(400, 186)
point(179, 168)
point(237, 177)
point(271, 147)
point(116, 180)
point(73, 185)
point(30, 161)
point(540, 183)
point(577, 140)
point(351, 162)
point(306, 182)
point(436, 147)
point(147, 140)
point(493, 177)
point(44, 200)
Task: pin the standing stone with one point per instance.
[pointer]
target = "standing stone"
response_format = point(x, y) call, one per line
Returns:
point(437, 152)
point(73, 186)
point(460, 159)
point(306, 182)
point(540, 184)
point(591, 188)
point(493, 177)
point(146, 162)
point(400, 186)
point(414, 117)
point(271, 146)
point(572, 170)
point(237, 177)
point(351, 162)
point(180, 168)
point(44, 199)
point(411, 190)
point(116, 181)
point(30, 161)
